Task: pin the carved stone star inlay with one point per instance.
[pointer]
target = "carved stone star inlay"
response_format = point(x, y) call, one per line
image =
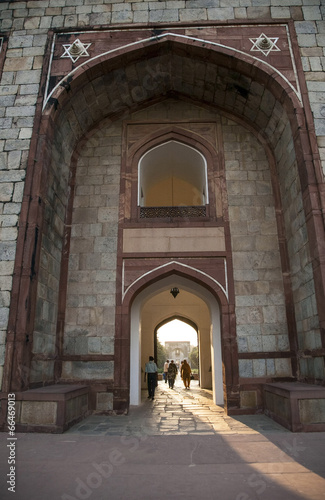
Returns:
point(75, 50)
point(264, 44)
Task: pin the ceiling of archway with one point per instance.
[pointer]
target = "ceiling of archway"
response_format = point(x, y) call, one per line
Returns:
point(116, 86)
point(125, 89)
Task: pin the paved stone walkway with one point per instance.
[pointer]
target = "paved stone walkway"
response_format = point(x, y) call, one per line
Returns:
point(176, 412)
point(179, 446)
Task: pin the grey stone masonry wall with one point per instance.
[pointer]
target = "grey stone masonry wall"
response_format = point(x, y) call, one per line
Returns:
point(303, 287)
point(260, 305)
point(55, 201)
point(90, 315)
point(25, 24)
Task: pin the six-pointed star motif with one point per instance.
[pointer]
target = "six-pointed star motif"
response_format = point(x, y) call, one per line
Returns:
point(75, 50)
point(264, 44)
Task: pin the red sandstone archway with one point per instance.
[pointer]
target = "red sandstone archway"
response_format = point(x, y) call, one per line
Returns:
point(56, 120)
point(196, 281)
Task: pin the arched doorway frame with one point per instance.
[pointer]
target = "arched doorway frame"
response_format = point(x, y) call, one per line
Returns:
point(224, 346)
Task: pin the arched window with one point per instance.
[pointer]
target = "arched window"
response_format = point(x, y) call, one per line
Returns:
point(172, 175)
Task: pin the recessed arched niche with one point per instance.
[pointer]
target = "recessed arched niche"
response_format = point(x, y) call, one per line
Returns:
point(172, 175)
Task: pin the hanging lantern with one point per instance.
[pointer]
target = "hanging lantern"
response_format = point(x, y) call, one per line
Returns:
point(174, 291)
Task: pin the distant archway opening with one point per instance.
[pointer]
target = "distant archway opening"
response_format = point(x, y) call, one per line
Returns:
point(177, 338)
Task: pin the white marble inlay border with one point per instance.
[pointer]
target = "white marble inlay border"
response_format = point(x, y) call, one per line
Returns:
point(173, 34)
point(225, 290)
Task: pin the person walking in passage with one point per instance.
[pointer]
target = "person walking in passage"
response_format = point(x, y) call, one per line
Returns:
point(186, 374)
point(171, 374)
point(150, 373)
point(166, 364)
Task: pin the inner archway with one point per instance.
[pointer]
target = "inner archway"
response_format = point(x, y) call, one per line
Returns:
point(154, 305)
point(177, 337)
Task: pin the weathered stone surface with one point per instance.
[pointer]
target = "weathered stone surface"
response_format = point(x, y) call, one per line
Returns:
point(312, 411)
point(104, 401)
point(88, 370)
point(38, 412)
point(248, 399)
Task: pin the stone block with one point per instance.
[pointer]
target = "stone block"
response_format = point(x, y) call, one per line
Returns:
point(278, 405)
point(7, 100)
point(258, 12)
point(221, 13)
point(117, 17)
point(32, 76)
point(248, 399)
point(76, 407)
point(107, 345)
point(193, 15)
point(6, 24)
point(6, 268)
point(280, 12)
point(254, 344)
point(70, 21)
point(270, 367)
point(307, 40)
point(20, 111)
point(259, 367)
point(296, 13)
point(57, 21)
point(243, 244)
point(20, 41)
point(283, 367)
point(8, 234)
point(245, 368)
point(7, 251)
point(8, 90)
point(104, 401)
point(297, 406)
point(240, 13)
point(32, 23)
point(11, 209)
point(6, 191)
point(38, 413)
point(14, 159)
point(242, 344)
point(5, 282)
point(94, 345)
point(2, 353)
point(311, 13)
point(87, 370)
point(305, 27)
point(312, 411)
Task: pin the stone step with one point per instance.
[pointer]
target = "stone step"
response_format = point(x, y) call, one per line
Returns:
point(54, 408)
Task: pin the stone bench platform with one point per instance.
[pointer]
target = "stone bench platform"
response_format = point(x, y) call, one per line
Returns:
point(53, 409)
point(297, 406)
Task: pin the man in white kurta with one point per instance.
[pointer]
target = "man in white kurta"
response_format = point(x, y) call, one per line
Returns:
point(150, 372)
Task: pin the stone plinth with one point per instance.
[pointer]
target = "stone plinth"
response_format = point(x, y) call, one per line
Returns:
point(53, 409)
point(297, 406)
